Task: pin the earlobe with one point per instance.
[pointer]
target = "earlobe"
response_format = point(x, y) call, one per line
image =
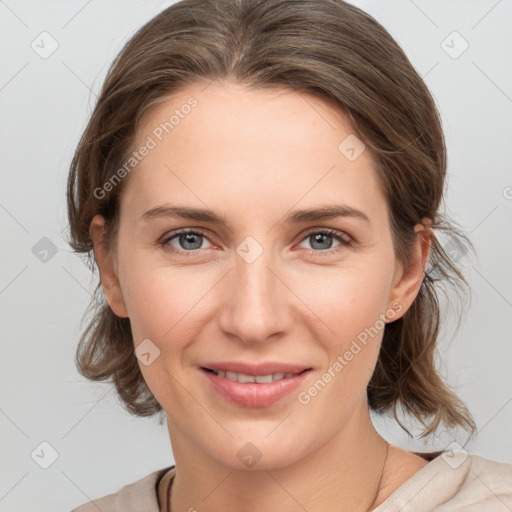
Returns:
point(106, 267)
point(408, 286)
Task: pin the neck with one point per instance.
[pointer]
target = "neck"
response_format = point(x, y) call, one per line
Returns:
point(343, 474)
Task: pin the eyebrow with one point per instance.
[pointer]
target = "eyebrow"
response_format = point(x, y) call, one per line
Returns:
point(297, 216)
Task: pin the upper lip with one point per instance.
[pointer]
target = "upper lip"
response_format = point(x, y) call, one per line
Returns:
point(256, 369)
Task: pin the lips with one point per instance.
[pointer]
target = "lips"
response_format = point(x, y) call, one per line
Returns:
point(230, 380)
point(254, 394)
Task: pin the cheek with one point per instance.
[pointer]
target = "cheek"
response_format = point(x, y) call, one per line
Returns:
point(348, 299)
point(163, 304)
point(352, 308)
point(160, 300)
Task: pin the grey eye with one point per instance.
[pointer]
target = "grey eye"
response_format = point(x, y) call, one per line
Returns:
point(187, 241)
point(322, 241)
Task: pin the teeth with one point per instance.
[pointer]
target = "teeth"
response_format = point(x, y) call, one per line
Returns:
point(261, 379)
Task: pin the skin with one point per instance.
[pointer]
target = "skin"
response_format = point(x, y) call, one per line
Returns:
point(254, 156)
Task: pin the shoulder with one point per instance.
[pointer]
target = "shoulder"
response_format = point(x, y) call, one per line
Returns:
point(487, 483)
point(138, 495)
point(454, 481)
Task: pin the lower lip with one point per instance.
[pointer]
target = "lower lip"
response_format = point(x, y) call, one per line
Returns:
point(252, 394)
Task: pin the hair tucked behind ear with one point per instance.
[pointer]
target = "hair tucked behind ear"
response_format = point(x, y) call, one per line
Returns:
point(406, 374)
point(328, 48)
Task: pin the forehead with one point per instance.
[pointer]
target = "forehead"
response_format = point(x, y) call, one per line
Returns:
point(261, 149)
point(271, 116)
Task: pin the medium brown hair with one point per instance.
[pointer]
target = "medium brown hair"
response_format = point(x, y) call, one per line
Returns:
point(336, 52)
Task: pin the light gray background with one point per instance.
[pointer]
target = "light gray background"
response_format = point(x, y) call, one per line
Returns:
point(44, 105)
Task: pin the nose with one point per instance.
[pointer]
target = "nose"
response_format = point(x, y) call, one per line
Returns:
point(256, 305)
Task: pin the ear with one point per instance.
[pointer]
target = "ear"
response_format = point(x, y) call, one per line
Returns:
point(106, 267)
point(408, 279)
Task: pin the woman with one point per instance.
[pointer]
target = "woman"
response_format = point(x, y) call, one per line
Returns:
point(260, 184)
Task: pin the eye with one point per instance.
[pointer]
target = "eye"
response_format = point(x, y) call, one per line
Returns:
point(188, 241)
point(321, 240)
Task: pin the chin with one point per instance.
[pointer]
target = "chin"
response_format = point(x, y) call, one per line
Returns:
point(259, 452)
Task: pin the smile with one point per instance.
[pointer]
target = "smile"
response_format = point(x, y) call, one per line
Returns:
point(253, 390)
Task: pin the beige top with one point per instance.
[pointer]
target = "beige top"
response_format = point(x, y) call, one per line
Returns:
point(452, 481)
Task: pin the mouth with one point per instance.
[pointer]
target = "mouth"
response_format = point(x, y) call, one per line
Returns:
point(256, 390)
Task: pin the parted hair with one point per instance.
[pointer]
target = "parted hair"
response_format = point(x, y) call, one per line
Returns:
point(340, 54)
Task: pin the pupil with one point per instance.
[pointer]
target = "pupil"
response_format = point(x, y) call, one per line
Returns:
point(320, 237)
point(189, 239)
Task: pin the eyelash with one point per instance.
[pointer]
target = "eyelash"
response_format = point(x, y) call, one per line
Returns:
point(344, 239)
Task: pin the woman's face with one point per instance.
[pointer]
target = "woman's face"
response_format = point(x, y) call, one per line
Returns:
point(268, 286)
